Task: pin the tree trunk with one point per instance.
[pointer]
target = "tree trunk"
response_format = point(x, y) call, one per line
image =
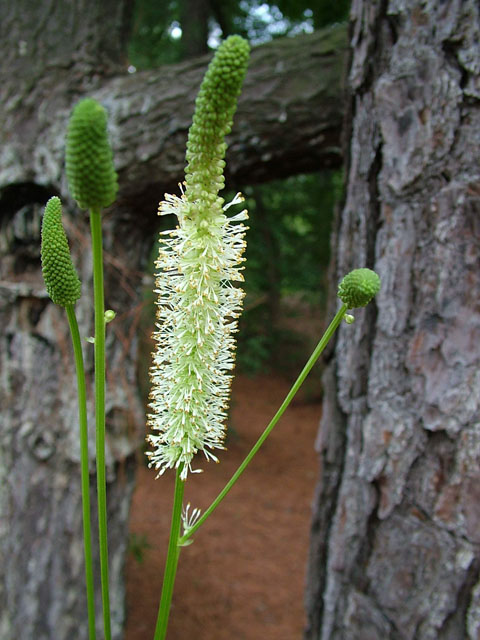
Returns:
point(50, 57)
point(395, 547)
point(194, 17)
point(54, 54)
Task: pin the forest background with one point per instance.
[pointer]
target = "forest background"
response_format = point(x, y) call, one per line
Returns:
point(391, 98)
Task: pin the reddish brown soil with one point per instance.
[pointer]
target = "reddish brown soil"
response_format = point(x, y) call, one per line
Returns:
point(243, 577)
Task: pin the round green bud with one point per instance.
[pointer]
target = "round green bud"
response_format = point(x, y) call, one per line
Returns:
point(349, 319)
point(61, 279)
point(358, 287)
point(90, 172)
point(109, 315)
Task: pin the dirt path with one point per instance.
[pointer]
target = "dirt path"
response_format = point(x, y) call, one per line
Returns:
point(243, 577)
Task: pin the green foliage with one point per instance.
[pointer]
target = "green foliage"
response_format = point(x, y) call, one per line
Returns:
point(59, 274)
point(151, 43)
point(288, 251)
point(157, 36)
point(322, 12)
point(89, 164)
point(137, 545)
point(289, 233)
point(254, 348)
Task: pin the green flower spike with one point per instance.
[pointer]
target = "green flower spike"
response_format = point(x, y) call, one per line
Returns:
point(214, 110)
point(358, 287)
point(90, 172)
point(198, 307)
point(61, 279)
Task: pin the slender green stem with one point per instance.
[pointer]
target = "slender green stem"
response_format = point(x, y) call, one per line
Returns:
point(97, 251)
point(85, 476)
point(296, 386)
point(172, 560)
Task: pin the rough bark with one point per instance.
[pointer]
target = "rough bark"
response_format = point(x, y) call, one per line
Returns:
point(51, 52)
point(54, 53)
point(395, 538)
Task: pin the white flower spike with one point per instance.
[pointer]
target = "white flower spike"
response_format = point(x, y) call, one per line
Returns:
point(197, 313)
point(198, 305)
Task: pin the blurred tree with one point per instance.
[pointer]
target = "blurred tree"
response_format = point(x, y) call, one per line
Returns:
point(185, 28)
point(194, 23)
point(322, 12)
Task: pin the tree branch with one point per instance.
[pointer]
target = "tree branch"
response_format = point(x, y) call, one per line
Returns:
point(288, 121)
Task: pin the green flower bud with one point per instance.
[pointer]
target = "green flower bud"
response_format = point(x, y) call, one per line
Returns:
point(90, 172)
point(214, 109)
point(358, 287)
point(109, 315)
point(61, 279)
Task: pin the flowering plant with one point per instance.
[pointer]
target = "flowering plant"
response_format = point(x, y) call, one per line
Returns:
point(199, 301)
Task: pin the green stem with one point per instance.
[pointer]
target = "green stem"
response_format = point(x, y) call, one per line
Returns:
point(85, 477)
point(296, 386)
point(172, 560)
point(97, 251)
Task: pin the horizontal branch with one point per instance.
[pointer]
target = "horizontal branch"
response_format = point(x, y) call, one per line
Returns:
point(288, 120)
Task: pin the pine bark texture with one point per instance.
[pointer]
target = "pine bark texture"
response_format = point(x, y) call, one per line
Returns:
point(53, 53)
point(396, 532)
point(288, 121)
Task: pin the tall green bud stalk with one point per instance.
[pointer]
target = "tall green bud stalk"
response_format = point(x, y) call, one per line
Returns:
point(93, 184)
point(64, 288)
point(198, 306)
